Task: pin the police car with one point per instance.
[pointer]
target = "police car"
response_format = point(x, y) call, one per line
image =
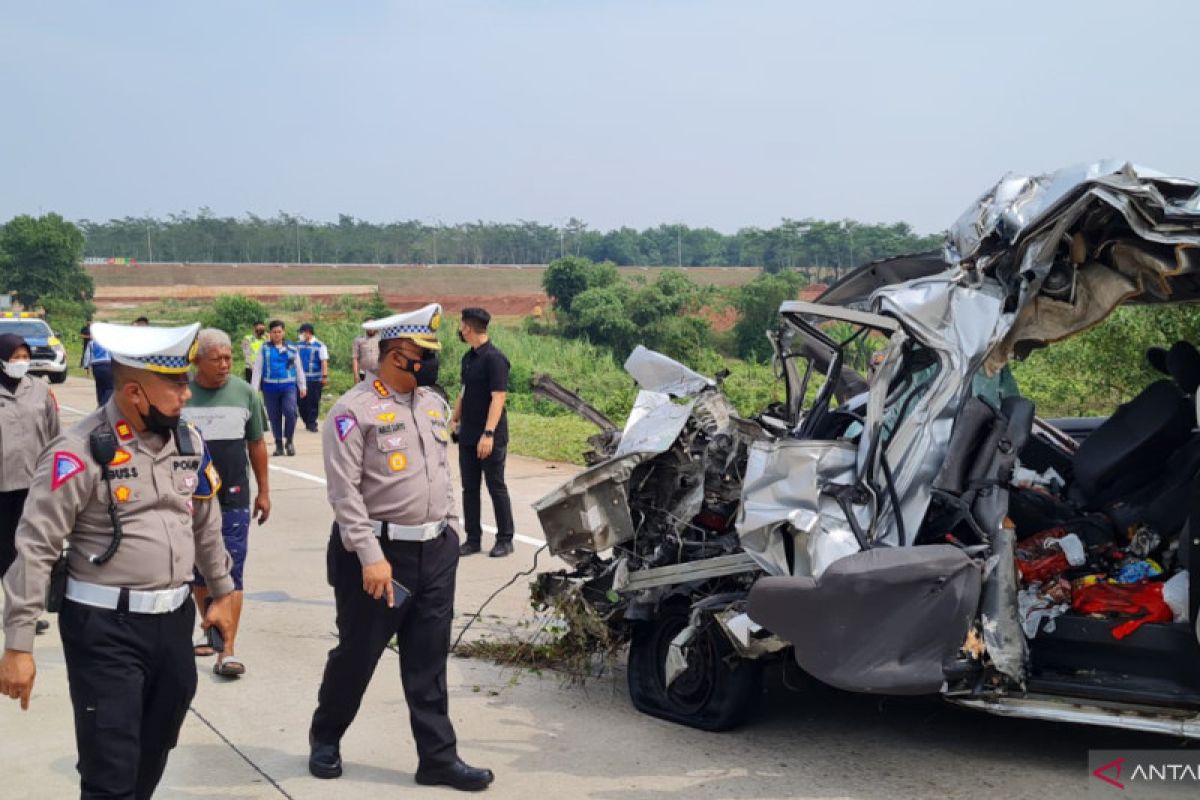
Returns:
point(49, 356)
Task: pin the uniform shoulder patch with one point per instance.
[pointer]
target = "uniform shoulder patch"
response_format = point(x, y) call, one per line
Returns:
point(124, 430)
point(66, 466)
point(343, 424)
point(208, 482)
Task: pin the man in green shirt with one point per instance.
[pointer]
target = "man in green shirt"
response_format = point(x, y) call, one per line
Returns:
point(229, 414)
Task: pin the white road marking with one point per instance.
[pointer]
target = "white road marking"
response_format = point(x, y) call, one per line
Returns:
point(306, 476)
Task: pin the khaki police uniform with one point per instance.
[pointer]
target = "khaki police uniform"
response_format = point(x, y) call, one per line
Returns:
point(28, 420)
point(366, 350)
point(389, 485)
point(126, 624)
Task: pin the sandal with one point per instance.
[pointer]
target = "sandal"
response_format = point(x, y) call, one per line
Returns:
point(203, 649)
point(229, 668)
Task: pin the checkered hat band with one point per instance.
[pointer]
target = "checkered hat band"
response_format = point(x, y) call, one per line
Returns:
point(396, 331)
point(169, 362)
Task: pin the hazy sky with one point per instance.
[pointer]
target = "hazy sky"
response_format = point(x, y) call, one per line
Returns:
point(621, 112)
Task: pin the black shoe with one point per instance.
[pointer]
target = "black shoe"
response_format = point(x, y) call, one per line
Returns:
point(469, 549)
point(324, 760)
point(41, 627)
point(313, 429)
point(501, 549)
point(291, 448)
point(458, 775)
point(278, 449)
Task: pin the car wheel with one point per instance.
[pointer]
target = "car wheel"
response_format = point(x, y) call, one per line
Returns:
point(717, 690)
point(57, 377)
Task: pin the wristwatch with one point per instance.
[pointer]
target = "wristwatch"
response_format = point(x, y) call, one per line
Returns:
point(489, 434)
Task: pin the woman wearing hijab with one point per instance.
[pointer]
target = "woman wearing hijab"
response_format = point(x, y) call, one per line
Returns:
point(28, 421)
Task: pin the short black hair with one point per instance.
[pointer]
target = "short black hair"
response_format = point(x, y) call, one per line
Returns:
point(276, 323)
point(307, 326)
point(257, 323)
point(142, 319)
point(477, 318)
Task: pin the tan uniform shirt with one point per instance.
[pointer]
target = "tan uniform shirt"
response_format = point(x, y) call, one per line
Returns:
point(386, 460)
point(28, 421)
point(169, 517)
point(366, 350)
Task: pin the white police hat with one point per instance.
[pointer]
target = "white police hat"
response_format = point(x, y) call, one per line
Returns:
point(167, 351)
point(421, 326)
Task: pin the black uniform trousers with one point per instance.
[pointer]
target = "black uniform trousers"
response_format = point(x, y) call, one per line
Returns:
point(310, 404)
point(132, 679)
point(11, 506)
point(422, 630)
point(103, 376)
point(491, 469)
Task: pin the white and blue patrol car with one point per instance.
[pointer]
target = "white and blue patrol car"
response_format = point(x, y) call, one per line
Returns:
point(48, 356)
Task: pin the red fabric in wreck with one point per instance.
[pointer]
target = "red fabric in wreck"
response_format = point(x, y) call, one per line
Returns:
point(1144, 599)
point(1040, 570)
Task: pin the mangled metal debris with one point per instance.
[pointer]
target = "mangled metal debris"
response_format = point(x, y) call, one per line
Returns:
point(862, 524)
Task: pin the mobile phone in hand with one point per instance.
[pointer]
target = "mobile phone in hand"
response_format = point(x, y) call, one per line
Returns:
point(215, 640)
point(400, 594)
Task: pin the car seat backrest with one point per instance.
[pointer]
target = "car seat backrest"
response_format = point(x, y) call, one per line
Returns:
point(1183, 362)
point(1133, 445)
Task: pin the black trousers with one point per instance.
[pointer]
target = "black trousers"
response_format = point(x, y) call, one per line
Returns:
point(491, 470)
point(310, 404)
point(132, 678)
point(422, 630)
point(102, 375)
point(11, 506)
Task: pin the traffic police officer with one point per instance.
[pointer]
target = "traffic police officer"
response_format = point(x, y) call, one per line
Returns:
point(389, 484)
point(28, 420)
point(281, 374)
point(134, 528)
point(314, 356)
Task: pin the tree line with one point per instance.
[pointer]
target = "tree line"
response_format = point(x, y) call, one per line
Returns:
point(204, 237)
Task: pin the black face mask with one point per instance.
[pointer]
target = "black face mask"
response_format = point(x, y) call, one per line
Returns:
point(156, 421)
point(425, 370)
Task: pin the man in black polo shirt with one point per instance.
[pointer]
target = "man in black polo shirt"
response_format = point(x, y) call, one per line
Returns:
point(481, 424)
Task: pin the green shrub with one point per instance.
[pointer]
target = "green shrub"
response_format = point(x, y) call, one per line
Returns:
point(235, 314)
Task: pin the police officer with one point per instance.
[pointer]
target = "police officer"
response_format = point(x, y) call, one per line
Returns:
point(279, 371)
point(28, 420)
point(97, 359)
point(134, 530)
point(314, 357)
point(389, 484)
point(250, 347)
point(364, 357)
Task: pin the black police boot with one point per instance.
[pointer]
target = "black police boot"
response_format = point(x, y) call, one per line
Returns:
point(469, 548)
point(278, 449)
point(501, 549)
point(291, 448)
point(324, 760)
point(457, 775)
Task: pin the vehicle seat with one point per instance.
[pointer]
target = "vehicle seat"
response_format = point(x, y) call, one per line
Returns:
point(1133, 446)
point(1183, 364)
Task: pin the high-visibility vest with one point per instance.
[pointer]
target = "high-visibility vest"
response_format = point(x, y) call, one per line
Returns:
point(279, 367)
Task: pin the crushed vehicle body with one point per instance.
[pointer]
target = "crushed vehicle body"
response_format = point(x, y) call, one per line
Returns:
point(903, 522)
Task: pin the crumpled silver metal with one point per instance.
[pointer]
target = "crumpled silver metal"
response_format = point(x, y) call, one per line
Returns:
point(658, 373)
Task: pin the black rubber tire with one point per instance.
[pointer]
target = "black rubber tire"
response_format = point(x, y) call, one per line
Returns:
point(717, 692)
point(57, 377)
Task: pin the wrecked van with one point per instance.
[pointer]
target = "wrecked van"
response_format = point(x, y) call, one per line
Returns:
point(903, 522)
